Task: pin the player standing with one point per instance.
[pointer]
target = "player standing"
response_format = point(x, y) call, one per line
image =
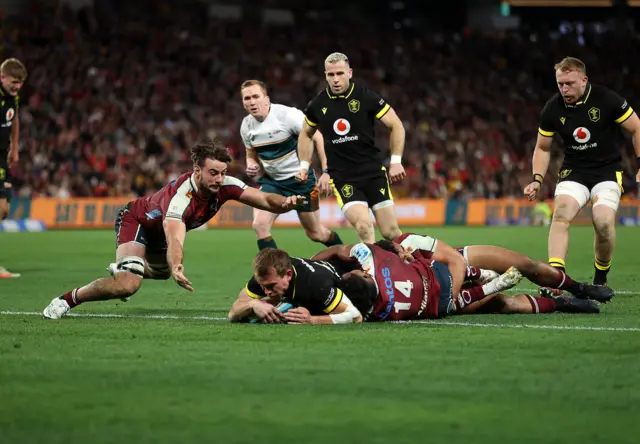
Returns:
point(587, 118)
point(12, 76)
point(345, 113)
point(150, 231)
point(270, 135)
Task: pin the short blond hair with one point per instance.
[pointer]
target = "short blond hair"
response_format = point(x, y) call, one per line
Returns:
point(570, 64)
point(336, 57)
point(269, 258)
point(253, 82)
point(14, 68)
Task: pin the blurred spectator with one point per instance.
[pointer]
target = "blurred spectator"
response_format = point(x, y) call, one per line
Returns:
point(114, 97)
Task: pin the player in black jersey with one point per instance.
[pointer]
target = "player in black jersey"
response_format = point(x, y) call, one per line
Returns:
point(587, 118)
point(278, 278)
point(12, 76)
point(345, 113)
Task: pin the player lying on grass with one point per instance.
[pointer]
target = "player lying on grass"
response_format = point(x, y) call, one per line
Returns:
point(150, 231)
point(498, 259)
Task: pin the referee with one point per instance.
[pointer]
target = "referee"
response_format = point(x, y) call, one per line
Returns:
point(587, 118)
point(345, 113)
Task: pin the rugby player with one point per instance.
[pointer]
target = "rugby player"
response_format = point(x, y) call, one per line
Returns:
point(345, 112)
point(12, 76)
point(150, 231)
point(587, 118)
point(270, 134)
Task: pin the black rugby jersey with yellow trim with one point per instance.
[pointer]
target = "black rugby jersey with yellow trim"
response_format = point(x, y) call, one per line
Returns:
point(347, 125)
point(314, 285)
point(589, 129)
point(8, 112)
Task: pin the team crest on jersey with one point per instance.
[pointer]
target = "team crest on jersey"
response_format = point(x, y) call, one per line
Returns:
point(562, 119)
point(10, 114)
point(594, 114)
point(581, 134)
point(564, 173)
point(354, 106)
point(341, 127)
point(347, 190)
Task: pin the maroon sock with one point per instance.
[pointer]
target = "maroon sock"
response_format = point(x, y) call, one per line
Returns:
point(563, 281)
point(542, 305)
point(473, 273)
point(470, 295)
point(71, 298)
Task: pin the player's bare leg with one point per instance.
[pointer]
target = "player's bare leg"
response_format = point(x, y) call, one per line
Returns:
point(604, 223)
point(262, 223)
point(500, 259)
point(566, 209)
point(4, 213)
point(387, 221)
point(126, 280)
point(501, 303)
point(357, 213)
point(317, 232)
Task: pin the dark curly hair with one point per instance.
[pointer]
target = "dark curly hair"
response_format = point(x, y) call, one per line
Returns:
point(209, 149)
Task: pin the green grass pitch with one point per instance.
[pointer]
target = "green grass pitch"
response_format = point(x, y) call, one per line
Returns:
point(167, 371)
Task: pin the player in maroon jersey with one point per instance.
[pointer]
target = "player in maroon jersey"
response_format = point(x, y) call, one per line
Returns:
point(495, 258)
point(150, 231)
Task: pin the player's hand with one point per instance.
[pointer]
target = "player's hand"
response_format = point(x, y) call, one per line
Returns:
point(293, 202)
point(531, 190)
point(252, 170)
point(267, 312)
point(13, 157)
point(396, 172)
point(303, 175)
point(324, 189)
point(298, 315)
point(180, 278)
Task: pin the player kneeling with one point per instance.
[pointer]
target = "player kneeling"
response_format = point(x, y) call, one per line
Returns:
point(150, 231)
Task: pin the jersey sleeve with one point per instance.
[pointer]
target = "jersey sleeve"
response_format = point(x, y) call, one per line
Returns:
point(254, 290)
point(620, 108)
point(426, 244)
point(311, 114)
point(244, 133)
point(547, 121)
point(232, 188)
point(375, 104)
point(323, 295)
point(177, 207)
point(293, 119)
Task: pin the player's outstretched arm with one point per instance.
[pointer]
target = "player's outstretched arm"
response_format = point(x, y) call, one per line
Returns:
point(632, 126)
point(335, 252)
point(305, 150)
point(273, 203)
point(541, 158)
point(14, 147)
point(396, 144)
point(245, 306)
point(175, 232)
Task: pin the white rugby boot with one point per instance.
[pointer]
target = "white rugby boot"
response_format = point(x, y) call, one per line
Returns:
point(487, 276)
point(56, 309)
point(6, 274)
point(505, 281)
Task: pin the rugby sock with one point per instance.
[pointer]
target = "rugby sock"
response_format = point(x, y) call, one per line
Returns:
point(266, 242)
point(70, 298)
point(542, 305)
point(334, 239)
point(602, 269)
point(470, 295)
point(558, 263)
point(473, 273)
point(564, 282)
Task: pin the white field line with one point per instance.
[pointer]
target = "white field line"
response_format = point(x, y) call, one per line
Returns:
point(535, 291)
point(428, 322)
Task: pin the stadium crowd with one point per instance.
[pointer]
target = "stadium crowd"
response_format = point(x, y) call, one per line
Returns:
point(115, 97)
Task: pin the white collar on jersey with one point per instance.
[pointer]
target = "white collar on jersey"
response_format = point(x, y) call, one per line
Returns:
point(192, 181)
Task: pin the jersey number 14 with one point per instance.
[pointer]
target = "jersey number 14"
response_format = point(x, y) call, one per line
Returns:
point(405, 288)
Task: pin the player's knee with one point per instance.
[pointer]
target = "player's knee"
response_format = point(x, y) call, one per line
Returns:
point(364, 228)
point(391, 232)
point(262, 229)
point(127, 284)
point(604, 228)
point(505, 304)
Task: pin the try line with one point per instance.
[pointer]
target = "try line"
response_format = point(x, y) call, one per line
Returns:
point(432, 322)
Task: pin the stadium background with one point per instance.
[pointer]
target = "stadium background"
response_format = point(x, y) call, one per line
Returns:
point(115, 96)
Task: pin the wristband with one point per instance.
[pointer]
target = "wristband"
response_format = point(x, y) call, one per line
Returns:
point(304, 165)
point(396, 159)
point(325, 171)
point(538, 178)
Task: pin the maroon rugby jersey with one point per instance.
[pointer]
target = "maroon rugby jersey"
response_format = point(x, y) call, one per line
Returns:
point(416, 244)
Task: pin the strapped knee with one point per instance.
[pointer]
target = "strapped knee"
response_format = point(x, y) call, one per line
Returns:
point(130, 264)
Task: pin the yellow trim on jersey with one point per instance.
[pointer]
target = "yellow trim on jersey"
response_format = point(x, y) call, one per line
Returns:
point(251, 293)
point(353, 85)
point(342, 96)
point(336, 193)
point(1, 92)
point(271, 143)
point(388, 184)
point(625, 116)
point(619, 180)
point(383, 111)
point(295, 276)
point(309, 122)
point(335, 302)
point(546, 133)
point(279, 158)
point(586, 97)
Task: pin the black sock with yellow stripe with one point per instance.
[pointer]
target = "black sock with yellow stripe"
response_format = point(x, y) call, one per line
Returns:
point(602, 269)
point(556, 262)
point(266, 242)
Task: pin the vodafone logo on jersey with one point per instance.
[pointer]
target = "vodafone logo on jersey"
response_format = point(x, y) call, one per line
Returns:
point(341, 127)
point(10, 114)
point(582, 135)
